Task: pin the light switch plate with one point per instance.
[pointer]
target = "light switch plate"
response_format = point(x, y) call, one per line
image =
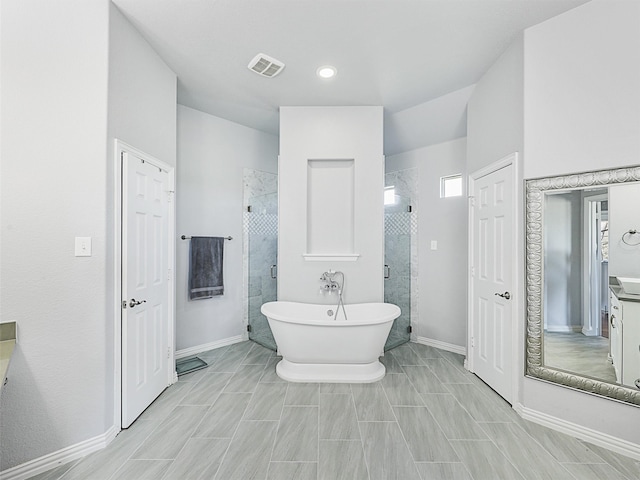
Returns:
point(434, 244)
point(83, 246)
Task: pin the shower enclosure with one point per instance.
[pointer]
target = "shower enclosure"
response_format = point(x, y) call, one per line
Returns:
point(400, 252)
point(261, 250)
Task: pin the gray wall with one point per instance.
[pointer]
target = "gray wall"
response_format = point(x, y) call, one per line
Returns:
point(67, 91)
point(624, 260)
point(563, 262)
point(442, 281)
point(578, 112)
point(495, 126)
point(54, 144)
point(212, 153)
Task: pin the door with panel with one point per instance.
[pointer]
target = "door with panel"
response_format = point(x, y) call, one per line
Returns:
point(145, 290)
point(491, 279)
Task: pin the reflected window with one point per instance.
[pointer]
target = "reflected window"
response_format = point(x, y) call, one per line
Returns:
point(389, 195)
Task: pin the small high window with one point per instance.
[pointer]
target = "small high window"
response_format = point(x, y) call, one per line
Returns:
point(451, 186)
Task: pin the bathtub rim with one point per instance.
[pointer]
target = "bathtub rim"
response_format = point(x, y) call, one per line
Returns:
point(394, 313)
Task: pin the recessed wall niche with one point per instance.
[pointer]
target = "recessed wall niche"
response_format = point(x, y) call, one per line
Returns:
point(330, 207)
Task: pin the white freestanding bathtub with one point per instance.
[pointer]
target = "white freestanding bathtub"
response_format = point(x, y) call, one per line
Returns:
point(317, 348)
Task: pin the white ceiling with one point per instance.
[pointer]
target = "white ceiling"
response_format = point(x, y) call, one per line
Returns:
point(394, 53)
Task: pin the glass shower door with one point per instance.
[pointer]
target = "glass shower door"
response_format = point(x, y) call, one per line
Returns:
point(397, 259)
point(262, 231)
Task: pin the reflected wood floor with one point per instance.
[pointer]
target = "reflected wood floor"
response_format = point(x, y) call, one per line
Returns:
point(427, 419)
point(578, 353)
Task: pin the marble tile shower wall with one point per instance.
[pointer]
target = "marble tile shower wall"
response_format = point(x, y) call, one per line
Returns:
point(401, 243)
point(260, 239)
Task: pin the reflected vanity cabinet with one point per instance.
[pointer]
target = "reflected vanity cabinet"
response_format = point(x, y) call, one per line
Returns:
point(625, 339)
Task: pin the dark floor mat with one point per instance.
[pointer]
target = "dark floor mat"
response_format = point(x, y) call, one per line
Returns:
point(188, 365)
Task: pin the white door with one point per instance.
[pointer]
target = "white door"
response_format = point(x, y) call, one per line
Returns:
point(145, 292)
point(491, 282)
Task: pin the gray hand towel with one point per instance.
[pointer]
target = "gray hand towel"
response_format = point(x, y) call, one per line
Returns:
point(205, 267)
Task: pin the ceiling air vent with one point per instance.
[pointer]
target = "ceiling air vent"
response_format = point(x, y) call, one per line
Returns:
point(265, 65)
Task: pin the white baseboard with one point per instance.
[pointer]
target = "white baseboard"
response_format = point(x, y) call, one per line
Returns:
point(55, 459)
point(449, 347)
point(187, 352)
point(564, 329)
point(600, 439)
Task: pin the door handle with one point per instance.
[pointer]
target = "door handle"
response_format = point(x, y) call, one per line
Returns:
point(388, 272)
point(505, 295)
point(274, 271)
point(134, 302)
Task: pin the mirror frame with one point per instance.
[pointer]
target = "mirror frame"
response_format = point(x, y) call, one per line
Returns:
point(534, 235)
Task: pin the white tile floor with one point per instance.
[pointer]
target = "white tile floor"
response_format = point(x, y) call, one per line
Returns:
point(427, 419)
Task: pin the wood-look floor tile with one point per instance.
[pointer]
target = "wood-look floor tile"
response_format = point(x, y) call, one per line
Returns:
point(200, 458)
point(293, 471)
point(390, 363)
point(55, 473)
point(454, 358)
point(231, 360)
point(167, 401)
point(426, 441)
point(594, 471)
point(405, 355)
point(258, 355)
point(245, 379)
point(341, 460)
point(564, 448)
point(167, 440)
point(479, 406)
point(484, 460)
point(142, 470)
point(454, 420)
point(266, 402)
point(248, 455)
point(386, 452)
point(302, 394)
point(297, 438)
point(335, 388)
point(400, 391)
point(424, 380)
point(426, 351)
point(625, 465)
point(206, 391)
point(371, 402)
point(446, 372)
point(443, 471)
point(222, 419)
point(269, 375)
point(102, 464)
point(337, 417)
point(533, 461)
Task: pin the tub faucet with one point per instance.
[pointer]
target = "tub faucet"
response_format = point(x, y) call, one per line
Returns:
point(332, 285)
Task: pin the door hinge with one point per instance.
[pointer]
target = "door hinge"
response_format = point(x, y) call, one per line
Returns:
point(409, 329)
point(124, 304)
point(248, 328)
point(473, 342)
point(168, 352)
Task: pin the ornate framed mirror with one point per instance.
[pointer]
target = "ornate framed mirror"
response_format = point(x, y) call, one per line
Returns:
point(580, 240)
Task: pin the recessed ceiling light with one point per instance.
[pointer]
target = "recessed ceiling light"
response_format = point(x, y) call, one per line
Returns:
point(326, 71)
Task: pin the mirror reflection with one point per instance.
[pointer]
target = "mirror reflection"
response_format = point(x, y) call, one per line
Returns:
point(591, 323)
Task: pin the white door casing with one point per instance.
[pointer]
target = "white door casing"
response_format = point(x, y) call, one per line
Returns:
point(492, 284)
point(146, 282)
